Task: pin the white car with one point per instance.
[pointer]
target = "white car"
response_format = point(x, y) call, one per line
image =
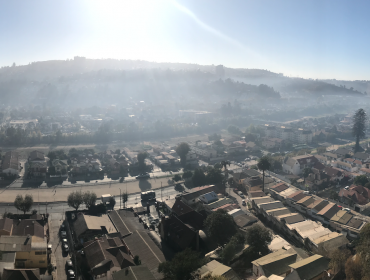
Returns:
point(240, 194)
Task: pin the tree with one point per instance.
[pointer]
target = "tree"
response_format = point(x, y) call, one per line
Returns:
point(141, 159)
point(214, 176)
point(89, 199)
point(176, 178)
point(306, 171)
point(359, 127)
point(361, 180)
point(367, 185)
point(124, 199)
point(354, 268)
point(338, 259)
point(235, 244)
point(137, 260)
point(258, 238)
point(187, 175)
point(182, 150)
point(23, 204)
point(263, 164)
point(362, 257)
point(213, 277)
point(225, 163)
point(220, 226)
point(112, 202)
point(75, 199)
point(182, 265)
point(199, 178)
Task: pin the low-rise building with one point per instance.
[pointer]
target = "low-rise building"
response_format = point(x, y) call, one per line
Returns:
point(214, 268)
point(295, 165)
point(274, 263)
point(10, 164)
point(312, 268)
point(87, 226)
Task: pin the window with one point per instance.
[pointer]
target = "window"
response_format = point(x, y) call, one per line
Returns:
point(40, 253)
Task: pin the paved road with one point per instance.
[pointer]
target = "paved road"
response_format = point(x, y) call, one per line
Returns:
point(134, 200)
point(60, 193)
point(59, 257)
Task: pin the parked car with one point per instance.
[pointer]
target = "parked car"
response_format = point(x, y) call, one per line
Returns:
point(235, 190)
point(65, 247)
point(241, 194)
point(243, 203)
point(71, 274)
point(63, 234)
point(69, 264)
point(143, 176)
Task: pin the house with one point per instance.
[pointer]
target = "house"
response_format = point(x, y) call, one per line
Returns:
point(30, 251)
point(277, 189)
point(36, 156)
point(295, 165)
point(214, 268)
point(36, 169)
point(60, 165)
point(361, 156)
point(345, 166)
point(274, 263)
point(301, 205)
point(10, 164)
point(208, 197)
point(313, 267)
point(6, 226)
point(106, 255)
point(342, 152)
point(87, 226)
point(355, 195)
point(331, 156)
point(335, 174)
point(140, 272)
point(355, 162)
point(321, 159)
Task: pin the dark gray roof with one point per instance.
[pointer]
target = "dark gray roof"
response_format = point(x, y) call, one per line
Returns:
point(142, 245)
point(294, 219)
point(244, 220)
point(362, 156)
point(140, 272)
point(355, 223)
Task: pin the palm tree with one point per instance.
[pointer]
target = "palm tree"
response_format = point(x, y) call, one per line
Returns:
point(359, 127)
point(263, 164)
point(224, 164)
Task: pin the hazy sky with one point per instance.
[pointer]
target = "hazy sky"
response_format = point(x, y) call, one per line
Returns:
point(311, 38)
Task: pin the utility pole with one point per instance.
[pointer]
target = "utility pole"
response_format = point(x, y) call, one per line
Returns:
point(161, 193)
point(120, 199)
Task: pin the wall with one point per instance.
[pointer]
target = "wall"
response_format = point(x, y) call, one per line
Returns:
point(32, 259)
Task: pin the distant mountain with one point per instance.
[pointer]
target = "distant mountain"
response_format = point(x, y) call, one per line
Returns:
point(103, 80)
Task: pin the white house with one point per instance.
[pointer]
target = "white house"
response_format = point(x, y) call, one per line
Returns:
point(295, 165)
